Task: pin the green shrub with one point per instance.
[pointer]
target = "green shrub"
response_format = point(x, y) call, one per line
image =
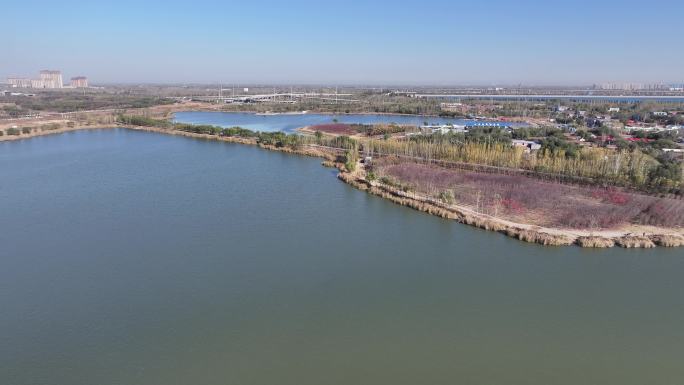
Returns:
point(447, 197)
point(387, 180)
point(351, 159)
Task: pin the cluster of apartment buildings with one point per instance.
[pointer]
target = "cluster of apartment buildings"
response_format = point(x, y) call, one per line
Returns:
point(641, 87)
point(48, 79)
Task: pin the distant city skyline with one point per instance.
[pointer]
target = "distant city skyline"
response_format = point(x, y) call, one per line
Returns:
point(437, 43)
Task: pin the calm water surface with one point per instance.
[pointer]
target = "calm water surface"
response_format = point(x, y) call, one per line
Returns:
point(290, 122)
point(137, 258)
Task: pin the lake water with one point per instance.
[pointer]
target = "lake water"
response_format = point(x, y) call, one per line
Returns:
point(290, 122)
point(137, 258)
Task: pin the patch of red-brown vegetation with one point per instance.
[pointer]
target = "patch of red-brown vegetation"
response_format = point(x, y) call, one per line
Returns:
point(529, 200)
point(334, 128)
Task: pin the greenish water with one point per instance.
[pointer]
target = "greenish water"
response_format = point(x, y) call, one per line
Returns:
point(137, 258)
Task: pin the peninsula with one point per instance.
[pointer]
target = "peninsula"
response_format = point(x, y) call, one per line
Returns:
point(482, 174)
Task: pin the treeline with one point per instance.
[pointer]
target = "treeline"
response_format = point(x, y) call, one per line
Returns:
point(68, 102)
point(623, 168)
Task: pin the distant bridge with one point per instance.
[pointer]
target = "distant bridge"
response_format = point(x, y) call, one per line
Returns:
point(284, 97)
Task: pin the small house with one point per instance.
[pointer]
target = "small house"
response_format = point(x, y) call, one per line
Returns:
point(527, 144)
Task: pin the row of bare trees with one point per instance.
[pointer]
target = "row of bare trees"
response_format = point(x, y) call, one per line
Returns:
point(623, 168)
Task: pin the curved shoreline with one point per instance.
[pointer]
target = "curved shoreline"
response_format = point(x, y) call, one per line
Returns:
point(35, 133)
point(524, 232)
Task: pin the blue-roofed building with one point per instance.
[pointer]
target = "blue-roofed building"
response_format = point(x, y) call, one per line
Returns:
point(477, 124)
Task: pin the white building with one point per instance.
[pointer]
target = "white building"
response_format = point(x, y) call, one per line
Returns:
point(79, 82)
point(48, 79)
point(19, 82)
point(528, 144)
point(442, 129)
point(449, 106)
point(652, 129)
point(51, 79)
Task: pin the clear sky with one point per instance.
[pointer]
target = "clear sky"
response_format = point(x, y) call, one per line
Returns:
point(431, 42)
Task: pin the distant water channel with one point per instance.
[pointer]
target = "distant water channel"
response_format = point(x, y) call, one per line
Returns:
point(290, 122)
point(130, 257)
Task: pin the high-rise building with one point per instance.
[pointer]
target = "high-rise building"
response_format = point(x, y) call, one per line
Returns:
point(19, 82)
point(48, 79)
point(37, 83)
point(633, 86)
point(79, 82)
point(51, 79)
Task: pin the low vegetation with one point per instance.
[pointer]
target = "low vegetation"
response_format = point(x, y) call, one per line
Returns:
point(531, 200)
point(69, 102)
point(334, 129)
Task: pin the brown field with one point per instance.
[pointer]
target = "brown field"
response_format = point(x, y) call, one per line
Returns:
point(333, 128)
point(527, 200)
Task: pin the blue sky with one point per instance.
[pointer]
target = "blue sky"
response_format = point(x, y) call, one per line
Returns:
point(347, 42)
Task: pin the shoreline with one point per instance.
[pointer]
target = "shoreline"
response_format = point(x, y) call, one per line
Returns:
point(35, 133)
point(522, 231)
point(650, 236)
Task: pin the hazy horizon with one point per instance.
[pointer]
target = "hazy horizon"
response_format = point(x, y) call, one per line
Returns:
point(438, 43)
